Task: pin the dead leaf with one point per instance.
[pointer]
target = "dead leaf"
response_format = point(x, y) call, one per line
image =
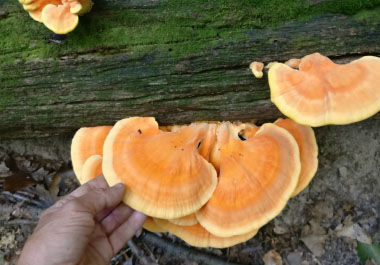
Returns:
point(272, 258)
point(17, 181)
point(353, 231)
point(314, 237)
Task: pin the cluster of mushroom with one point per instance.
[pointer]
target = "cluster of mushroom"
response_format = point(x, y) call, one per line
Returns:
point(315, 91)
point(60, 16)
point(211, 184)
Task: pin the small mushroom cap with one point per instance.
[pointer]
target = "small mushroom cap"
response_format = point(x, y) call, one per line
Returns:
point(59, 19)
point(163, 172)
point(91, 169)
point(185, 220)
point(293, 63)
point(209, 141)
point(305, 138)
point(152, 226)
point(87, 141)
point(257, 69)
point(322, 92)
point(197, 236)
point(86, 6)
point(244, 130)
point(257, 177)
point(249, 130)
point(75, 7)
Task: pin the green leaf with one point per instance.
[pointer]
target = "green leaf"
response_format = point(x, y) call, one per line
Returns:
point(369, 252)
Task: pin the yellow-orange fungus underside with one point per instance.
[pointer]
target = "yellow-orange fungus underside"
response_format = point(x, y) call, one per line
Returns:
point(151, 226)
point(257, 177)
point(307, 144)
point(163, 172)
point(59, 19)
point(185, 220)
point(197, 236)
point(322, 92)
point(91, 169)
point(86, 143)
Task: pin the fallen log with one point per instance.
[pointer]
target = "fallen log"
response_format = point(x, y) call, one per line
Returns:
point(97, 75)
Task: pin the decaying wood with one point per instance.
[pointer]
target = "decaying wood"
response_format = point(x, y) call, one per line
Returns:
point(101, 85)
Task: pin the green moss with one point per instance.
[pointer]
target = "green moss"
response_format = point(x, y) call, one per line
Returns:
point(5, 98)
point(373, 14)
point(168, 28)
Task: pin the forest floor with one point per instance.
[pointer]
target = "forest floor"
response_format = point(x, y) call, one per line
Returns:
point(322, 225)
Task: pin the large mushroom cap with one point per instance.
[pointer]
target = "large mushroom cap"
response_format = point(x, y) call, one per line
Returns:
point(257, 177)
point(91, 169)
point(197, 236)
point(163, 172)
point(307, 144)
point(322, 92)
point(87, 141)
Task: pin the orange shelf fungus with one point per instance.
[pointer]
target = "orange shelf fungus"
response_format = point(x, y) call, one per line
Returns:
point(164, 174)
point(152, 226)
point(87, 141)
point(257, 69)
point(91, 169)
point(213, 184)
point(322, 92)
point(308, 147)
point(197, 236)
point(60, 16)
point(257, 177)
point(185, 220)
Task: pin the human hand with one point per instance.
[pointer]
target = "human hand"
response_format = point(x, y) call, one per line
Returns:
point(88, 226)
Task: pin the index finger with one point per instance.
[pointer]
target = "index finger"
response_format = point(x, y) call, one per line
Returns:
point(97, 183)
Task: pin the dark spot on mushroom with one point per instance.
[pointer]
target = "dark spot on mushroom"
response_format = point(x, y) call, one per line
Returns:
point(241, 137)
point(175, 146)
point(199, 144)
point(139, 131)
point(240, 155)
point(182, 149)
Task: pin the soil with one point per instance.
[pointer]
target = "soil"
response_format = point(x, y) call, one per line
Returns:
point(322, 225)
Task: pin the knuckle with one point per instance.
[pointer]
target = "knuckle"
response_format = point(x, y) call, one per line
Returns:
point(73, 205)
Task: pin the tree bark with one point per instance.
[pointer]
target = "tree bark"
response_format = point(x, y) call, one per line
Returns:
point(98, 85)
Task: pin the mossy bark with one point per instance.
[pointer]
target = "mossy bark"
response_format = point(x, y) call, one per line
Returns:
point(99, 75)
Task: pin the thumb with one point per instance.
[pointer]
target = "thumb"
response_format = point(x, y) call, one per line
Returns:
point(97, 199)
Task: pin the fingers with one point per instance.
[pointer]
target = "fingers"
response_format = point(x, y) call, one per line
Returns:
point(116, 218)
point(96, 183)
point(125, 232)
point(97, 199)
